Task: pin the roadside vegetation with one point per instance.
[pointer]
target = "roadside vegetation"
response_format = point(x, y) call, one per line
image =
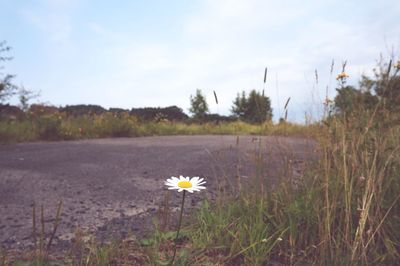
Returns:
point(59, 126)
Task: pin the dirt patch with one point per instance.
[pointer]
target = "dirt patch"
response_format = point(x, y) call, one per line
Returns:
point(114, 187)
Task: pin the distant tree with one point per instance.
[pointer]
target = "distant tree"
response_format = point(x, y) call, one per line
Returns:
point(25, 96)
point(239, 105)
point(7, 88)
point(385, 84)
point(350, 99)
point(258, 108)
point(198, 106)
point(255, 108)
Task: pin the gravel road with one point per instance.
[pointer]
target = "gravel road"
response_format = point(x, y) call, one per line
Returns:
point(110, 187)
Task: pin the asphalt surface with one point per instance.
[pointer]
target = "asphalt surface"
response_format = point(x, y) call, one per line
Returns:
point(111, 188)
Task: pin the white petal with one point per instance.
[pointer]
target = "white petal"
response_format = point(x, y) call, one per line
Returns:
point(201, 180)
point(180, 189)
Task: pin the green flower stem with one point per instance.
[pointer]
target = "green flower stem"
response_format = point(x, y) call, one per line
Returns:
point(179, 227)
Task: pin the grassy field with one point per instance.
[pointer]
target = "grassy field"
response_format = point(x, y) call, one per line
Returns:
point(58, 126)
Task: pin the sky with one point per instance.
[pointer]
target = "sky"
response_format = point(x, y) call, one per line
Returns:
point(157, 53)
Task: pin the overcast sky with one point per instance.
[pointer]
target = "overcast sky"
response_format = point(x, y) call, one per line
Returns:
point(156, 53)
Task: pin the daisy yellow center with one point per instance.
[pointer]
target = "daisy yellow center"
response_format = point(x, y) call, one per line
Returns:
point(184, 184)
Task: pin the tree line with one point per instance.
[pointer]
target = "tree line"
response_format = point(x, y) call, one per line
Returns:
point(254, 107)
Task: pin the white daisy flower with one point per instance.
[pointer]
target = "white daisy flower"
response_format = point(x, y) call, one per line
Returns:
point(185, 183)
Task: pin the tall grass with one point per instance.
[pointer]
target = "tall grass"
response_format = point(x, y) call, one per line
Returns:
point(345, 210)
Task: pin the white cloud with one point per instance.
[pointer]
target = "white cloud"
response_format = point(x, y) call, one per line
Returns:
point(56, 28)
point(52, 17)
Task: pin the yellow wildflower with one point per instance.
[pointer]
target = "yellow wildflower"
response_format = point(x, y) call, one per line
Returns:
point(342, 75)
